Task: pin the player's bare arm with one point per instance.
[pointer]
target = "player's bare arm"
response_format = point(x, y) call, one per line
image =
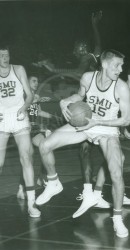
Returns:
point(123, 95)
point(21, 73)
point(84, 85)
point(42, 113)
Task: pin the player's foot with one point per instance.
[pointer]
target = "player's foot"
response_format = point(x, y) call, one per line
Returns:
point(89, 200)
point(41, 182)
point(21, 194)
point(119, 227)
point(126, 200)
point(52, 188)
point(102, 203)
point(33, 211)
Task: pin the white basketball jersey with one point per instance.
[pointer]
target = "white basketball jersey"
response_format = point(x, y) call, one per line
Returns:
point(11, 92)
point(103, 104)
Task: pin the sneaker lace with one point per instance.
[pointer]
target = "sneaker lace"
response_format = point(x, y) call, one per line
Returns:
point(79, 197)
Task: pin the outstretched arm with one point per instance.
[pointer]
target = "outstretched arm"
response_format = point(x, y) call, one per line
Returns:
point(51, 67)
point(42, 113)
point(96, 17)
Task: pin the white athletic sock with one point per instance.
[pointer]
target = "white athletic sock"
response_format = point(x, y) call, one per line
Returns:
point(31, 196)
point(97, 193)
point(88, 187)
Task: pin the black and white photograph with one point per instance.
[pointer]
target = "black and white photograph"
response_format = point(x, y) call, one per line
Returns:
point(65, 125)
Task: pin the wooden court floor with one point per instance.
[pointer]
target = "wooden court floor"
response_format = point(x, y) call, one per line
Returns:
point(56, 229)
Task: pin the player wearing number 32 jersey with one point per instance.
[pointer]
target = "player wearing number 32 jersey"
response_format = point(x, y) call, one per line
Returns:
point(15, 98)
point(11, 100)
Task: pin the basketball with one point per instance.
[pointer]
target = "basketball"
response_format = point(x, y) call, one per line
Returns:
point(80, 110)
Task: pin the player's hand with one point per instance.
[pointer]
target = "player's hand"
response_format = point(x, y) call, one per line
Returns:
point(96, 17)
point(45, 99)
point(40, 64)
point(91, 123)
point(1, 117)
point(47, 64)
point(65, 111)
point(21, 114)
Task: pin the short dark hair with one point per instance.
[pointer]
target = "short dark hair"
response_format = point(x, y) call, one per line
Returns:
point(4, 46)
point(30, 75)
point(109, 54)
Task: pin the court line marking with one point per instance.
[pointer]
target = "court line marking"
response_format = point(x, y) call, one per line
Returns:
point(29, 231)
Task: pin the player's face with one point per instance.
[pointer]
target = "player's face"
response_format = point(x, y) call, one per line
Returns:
point(4, 58)
point(80, 50)
point(114, 68)
point(33, 81)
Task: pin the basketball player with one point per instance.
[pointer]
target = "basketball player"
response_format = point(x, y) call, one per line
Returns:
point(106, 94)
point(14, 120)
point(37, 135)
point(87, 61)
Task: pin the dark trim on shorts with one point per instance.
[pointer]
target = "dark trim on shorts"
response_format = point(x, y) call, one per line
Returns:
point(17, 132)
point(2, 132)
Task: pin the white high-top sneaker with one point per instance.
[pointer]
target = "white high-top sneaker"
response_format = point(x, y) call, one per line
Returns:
point(119, 227)
point(126, 200)
point(33, 210)
point(88, 200)
point(52, 188)
point(21, 194)
point(101, 202)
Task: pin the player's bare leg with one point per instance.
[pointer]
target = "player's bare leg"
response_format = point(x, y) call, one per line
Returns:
point(115, 159)
point(24, 144)
point(63, 136)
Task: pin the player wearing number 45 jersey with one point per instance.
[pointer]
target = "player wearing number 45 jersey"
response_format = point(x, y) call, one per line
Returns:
point(14, 120)
point(107, 94)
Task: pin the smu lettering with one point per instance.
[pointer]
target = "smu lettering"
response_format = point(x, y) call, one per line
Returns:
point(99, 106)
point(7, 89)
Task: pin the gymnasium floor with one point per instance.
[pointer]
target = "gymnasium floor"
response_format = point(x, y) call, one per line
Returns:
point(56, 230)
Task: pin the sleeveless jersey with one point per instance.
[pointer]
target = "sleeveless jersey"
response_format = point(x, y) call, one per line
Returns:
point(103, 104)
point(33, 114)
point(11, 92)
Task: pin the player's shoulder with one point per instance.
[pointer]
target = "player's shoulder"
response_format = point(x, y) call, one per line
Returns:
point(18, 68)
point(87, 77)
point(121, 87)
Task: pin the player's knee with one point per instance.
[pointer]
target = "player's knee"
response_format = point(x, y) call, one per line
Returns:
point(44, 147)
